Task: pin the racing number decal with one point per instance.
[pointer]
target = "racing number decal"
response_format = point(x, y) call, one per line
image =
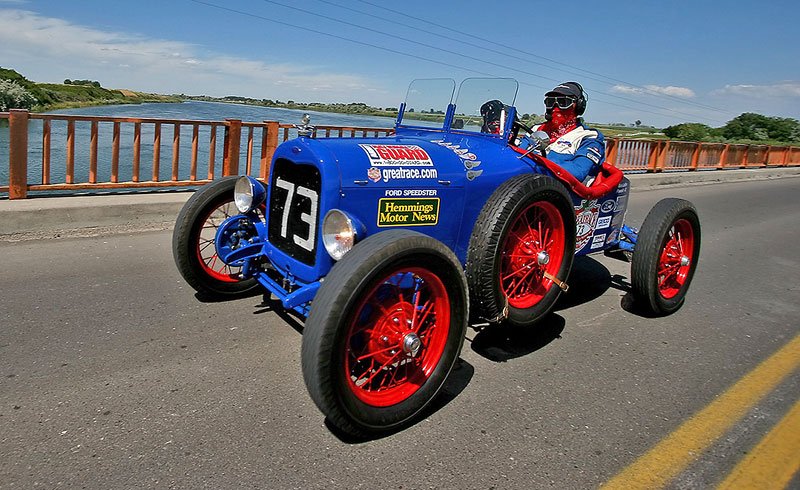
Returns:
point(308, 218)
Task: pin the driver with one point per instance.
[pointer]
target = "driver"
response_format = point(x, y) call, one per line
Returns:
point(578, 149)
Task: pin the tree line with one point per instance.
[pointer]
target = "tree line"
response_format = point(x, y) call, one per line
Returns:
point(745, 128)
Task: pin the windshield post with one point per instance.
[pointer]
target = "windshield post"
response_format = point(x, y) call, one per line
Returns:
point(509, 123)
point(400, 112)
point(449, 115)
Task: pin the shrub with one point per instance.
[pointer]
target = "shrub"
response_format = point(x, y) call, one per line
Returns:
point(14, 96)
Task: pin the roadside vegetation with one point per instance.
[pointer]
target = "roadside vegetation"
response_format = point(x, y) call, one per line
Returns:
point(16, 91)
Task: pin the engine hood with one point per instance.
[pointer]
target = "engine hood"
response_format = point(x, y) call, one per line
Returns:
point(427, 160)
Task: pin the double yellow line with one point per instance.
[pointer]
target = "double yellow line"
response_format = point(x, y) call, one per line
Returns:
point(773, 461)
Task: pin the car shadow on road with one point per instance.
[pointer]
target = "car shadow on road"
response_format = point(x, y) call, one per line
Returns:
point(503, 342)
point(588, 281)
point(292, 318)
point(455, 383)
point(209, 298)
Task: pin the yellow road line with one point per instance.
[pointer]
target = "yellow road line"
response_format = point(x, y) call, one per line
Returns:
point(774, 461)
point(675, 452)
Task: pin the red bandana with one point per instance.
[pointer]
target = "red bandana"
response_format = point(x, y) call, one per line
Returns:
point(561, 122)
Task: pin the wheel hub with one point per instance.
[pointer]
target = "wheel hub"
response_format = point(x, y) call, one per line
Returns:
point(543, 258)
point(412, 344)
point(685, 261)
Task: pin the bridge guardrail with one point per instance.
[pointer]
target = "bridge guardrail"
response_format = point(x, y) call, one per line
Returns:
point(118, 144)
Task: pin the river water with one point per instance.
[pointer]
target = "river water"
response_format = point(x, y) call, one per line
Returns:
point(194, 110)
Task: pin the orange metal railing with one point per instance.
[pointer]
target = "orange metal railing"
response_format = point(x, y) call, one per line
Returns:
point(136, 153)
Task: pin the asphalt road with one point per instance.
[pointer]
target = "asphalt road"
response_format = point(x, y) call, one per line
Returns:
point(113, 375)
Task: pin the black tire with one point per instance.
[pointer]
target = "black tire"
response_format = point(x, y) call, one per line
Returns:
point(533, 196)
point(193, 241)
point(670, 233)
point(349, 326)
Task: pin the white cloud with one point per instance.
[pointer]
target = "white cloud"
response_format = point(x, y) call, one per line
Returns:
point(48, 49)
point(780, 89)
point(673, 91)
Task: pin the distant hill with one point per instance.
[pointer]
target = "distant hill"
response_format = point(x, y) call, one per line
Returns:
point(58, 96)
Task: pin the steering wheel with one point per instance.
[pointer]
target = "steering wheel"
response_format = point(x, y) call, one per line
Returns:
point(519, 125)
point(516, 127)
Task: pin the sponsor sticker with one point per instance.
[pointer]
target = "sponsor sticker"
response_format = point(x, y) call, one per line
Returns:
point(598, 241)
point(410, 192)
point(471, 174)
point(387, 174)
point(593, 157)
point(408, 212)
point(585, 220)
point(397, 155)
point(603, 222)
point(607, 206)
point(622, 201)
point(374, 174)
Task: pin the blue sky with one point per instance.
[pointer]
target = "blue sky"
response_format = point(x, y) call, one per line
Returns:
point(658, 62)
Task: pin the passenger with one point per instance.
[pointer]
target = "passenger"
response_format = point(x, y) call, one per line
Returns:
point(578, 149)
point(491, 112)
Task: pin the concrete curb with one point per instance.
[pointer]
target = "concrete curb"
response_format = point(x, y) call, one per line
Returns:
point(61, 217)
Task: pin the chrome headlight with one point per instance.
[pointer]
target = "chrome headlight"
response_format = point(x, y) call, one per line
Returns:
point(338, 233)
point(248, 194)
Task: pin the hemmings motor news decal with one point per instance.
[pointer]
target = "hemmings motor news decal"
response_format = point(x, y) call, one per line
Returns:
point(397, 155)
point(408, 212)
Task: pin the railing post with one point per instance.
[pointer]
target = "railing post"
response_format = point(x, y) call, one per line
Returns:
point(611, 157)
point(766, 155)
point(744, 156)
point(696, 157)
point(268, 150)
point(18, 154)
point(233, 140)
point(652, 159)
point(723, 157)
point(786, 152)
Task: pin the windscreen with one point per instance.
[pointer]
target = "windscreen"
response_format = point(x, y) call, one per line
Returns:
point(427, 101)
point(475, 93)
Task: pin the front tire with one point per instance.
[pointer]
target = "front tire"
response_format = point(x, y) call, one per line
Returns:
point(525, 231)
point(665, 256)
point(385, 329)
point(194, 247)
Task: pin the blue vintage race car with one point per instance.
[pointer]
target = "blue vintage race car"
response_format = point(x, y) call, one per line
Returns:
point(390, 246)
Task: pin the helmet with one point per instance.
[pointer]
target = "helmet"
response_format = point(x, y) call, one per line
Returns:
point(491, 111)
point(573, 90)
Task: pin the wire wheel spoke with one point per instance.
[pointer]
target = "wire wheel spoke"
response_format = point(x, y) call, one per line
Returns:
point(536, 233)
point(405, 306)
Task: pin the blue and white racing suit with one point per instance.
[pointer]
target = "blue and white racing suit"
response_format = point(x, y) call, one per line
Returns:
point(581, 151)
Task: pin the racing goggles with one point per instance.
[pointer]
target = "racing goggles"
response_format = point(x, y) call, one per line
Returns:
point(561, 101)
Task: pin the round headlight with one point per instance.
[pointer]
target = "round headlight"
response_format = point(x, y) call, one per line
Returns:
point(338, 233)
point(248, 193)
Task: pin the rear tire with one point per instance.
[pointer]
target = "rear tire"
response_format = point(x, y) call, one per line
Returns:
point(665, 256)
point(395, 291)
point(194, 247)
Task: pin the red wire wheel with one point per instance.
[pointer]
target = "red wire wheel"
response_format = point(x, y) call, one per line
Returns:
point(206, 240)
point(676, 259)
point(665, 256)
point(397, 336)
point(193, 242)
point(524, 233)
point(534, 245)
point(384, 332)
